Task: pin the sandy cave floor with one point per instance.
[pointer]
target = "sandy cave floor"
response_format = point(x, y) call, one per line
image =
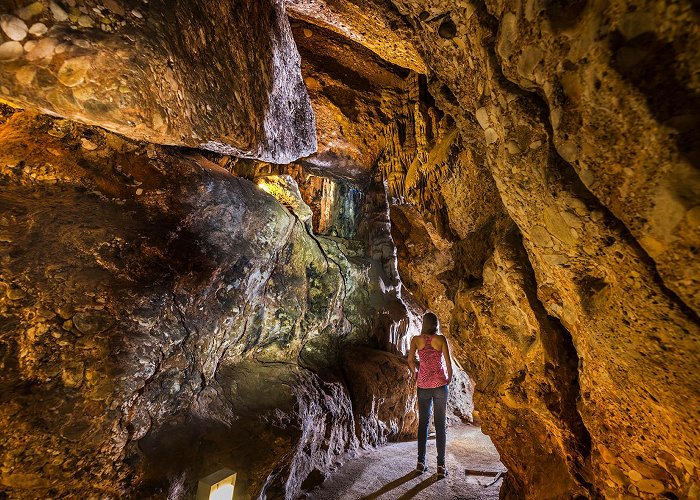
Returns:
point(387, 473)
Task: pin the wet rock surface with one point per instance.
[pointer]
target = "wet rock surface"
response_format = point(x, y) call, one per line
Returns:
point(163, 73)
point(550, 268)
point(527, 170)
point(182, 320)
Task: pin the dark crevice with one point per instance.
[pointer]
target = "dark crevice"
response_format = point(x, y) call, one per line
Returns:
point(669, 97)
point(563, 14)
point(561, 366)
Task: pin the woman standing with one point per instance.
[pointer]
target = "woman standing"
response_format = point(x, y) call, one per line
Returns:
point(434, 356)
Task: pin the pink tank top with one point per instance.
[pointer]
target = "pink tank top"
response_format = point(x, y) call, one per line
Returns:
point(431, 372)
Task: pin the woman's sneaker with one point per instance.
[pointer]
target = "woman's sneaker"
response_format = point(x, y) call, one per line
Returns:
point(442, 471)
point(421, 468)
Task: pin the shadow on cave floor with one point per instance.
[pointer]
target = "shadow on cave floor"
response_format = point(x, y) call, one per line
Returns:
point(388, 472)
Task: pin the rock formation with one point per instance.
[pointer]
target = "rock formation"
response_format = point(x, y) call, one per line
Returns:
point(163, 73)
point(232, 281)
point(178, 314)
point(556, 270)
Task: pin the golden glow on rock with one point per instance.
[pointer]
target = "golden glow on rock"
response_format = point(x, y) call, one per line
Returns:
point(285, 190)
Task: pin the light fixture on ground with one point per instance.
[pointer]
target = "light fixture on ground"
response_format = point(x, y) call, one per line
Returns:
point(217, 486)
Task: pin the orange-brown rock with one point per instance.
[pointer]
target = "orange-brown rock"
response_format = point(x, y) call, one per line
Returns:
point(615, 397)
point(379, 29)
point(526, 169)
point(162, 318)
point(164, 73)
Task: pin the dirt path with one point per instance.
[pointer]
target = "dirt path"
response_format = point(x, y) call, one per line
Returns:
point(388, 472)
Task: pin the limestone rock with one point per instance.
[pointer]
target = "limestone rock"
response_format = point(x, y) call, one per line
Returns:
point(351, 113)
point(378, 29)
point(146, 370)
point(527, 170)
point(584, 275)
point(647, 136)
point(169, 75)
point(393, 416)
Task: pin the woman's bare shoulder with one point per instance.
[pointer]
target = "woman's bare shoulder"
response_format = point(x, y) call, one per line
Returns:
point(416, 339)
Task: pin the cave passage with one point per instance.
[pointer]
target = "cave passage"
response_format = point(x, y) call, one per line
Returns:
point(389, 471)
point(221, 223)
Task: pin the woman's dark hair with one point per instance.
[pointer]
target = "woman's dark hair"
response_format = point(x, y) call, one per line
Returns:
point(430, 323)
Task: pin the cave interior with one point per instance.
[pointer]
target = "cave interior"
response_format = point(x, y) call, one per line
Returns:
point(221, 222)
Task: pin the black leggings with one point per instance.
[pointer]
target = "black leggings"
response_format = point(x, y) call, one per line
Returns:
point(425, 402)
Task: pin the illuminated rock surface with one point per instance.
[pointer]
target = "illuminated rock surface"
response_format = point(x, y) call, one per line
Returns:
point(389, 472)
point(180, 318)
point(163, 73)
point(581, 332)
point(527, 170)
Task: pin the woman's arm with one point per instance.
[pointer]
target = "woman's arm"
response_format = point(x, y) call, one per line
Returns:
point(412, 357)
point(448, 358)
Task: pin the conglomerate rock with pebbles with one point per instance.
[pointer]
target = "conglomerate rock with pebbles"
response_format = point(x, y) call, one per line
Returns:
point(596, 288)
point(532, 172)
point(181, 319)
point(163, 72)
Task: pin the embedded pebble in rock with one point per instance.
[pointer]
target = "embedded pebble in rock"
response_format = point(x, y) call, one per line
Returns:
point(25, 75)
point(74, 71)
point(38, 29)
point(14, 28)
point(653, 486)
point(58, 13)
point(634, 475)
point(43, 49)
point(86, 22)
point(115, 7)
point(88, 144)
point(491, 135)
point(9, 51)
point(482, 117)
point(14, 293)
point(90, 322)
point(31, 10)
point(513, 147)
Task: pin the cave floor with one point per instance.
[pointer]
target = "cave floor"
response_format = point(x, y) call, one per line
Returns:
point(388, 472)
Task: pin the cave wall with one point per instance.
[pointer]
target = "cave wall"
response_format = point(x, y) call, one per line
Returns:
point(163, 72)
point(572, 310)
point(162, 319)
point(537, 188)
